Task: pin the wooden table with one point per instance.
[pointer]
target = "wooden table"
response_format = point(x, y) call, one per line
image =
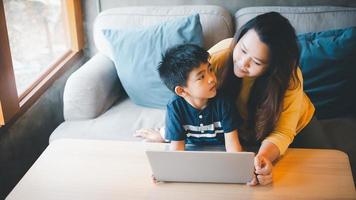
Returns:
point(92, 169)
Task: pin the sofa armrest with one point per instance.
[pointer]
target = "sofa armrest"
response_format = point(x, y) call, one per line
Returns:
point(92, 89)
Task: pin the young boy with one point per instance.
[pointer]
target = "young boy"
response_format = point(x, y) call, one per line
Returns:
point(196, 114)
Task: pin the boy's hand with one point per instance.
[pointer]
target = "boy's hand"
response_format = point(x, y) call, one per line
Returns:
point(232, 143)
point(177, 145)
point(239, 148)
point(149, 135)
point(154, 180)
point(263, 171)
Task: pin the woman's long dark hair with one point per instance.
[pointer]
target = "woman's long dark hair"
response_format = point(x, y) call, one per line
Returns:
point(265, 103)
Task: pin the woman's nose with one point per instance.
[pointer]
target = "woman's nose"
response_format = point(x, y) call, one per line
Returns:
point(244, 62)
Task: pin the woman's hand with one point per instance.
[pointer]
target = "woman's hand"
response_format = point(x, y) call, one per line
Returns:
point(263, 171)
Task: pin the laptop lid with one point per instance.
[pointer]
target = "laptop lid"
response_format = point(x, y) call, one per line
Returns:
point(202, 166)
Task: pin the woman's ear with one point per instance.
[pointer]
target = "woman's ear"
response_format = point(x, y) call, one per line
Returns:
point(179, 90)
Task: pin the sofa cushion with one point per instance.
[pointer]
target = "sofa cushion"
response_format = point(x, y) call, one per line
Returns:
point(138, 52)
point(118, 123)
point(216, 21)
point(304, 19)
point(328, 64)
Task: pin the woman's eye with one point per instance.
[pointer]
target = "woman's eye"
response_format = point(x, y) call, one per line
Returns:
point(200, 77)
point(257, 63)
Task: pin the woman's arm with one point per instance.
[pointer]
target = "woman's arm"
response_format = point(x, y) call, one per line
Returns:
point(296, 114)
point(232, 143)
point(269, 151)
point(279, 139)
point(295, 108)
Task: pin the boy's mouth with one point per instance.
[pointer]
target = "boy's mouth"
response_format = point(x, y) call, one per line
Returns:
point(213, 88)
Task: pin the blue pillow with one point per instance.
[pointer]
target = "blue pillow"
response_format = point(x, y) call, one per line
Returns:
point(328, 64)
point(137, 53)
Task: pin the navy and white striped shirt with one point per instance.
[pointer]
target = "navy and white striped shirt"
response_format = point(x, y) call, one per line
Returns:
point(207, 126)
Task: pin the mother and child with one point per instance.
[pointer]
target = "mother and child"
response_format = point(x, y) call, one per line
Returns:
point(247, 93)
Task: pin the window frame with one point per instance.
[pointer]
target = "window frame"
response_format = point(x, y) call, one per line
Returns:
point(13, 105)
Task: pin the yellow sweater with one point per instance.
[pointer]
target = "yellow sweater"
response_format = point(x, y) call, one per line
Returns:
point(297, 107)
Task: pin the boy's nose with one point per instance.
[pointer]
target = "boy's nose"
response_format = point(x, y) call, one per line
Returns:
point(212, 79)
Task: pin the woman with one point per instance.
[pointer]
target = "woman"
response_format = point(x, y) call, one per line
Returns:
point(261, 72)
point(259, 68)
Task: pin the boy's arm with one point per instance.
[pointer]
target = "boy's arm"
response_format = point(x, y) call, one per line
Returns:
point(177, 145)
point(232, 143)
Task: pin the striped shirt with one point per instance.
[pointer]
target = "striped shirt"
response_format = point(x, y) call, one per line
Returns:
point(207, 126)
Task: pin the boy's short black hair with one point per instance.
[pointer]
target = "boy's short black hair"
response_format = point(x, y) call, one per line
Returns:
point(178, 62)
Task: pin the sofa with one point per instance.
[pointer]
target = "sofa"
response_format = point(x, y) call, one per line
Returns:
point(96, 105)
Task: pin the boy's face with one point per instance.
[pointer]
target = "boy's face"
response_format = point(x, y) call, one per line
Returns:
point(201, 83)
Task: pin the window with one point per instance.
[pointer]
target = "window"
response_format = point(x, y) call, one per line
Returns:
point(38, 36)
point(41, 38)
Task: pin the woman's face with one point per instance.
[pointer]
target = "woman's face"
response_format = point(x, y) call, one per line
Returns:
point(250, 56)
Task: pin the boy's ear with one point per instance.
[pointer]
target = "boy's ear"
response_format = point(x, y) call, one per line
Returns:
point(179, 90)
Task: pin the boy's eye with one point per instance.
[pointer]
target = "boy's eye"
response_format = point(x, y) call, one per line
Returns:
point(201, 77)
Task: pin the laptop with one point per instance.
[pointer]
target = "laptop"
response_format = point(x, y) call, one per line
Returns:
point(202, 166)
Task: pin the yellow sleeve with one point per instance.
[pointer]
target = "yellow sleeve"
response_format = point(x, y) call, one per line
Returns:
point(296, 114)
point(218, 55)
